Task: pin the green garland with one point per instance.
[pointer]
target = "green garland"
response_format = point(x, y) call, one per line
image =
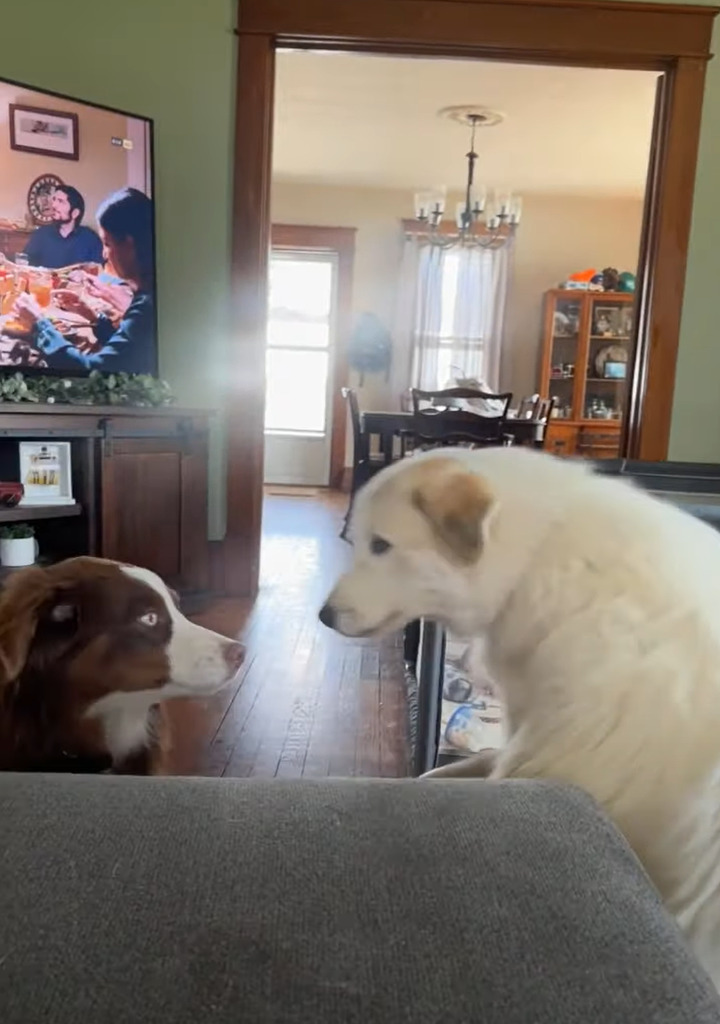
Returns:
point(96, 389)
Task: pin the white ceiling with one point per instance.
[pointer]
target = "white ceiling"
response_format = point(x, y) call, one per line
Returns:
point(366, 120)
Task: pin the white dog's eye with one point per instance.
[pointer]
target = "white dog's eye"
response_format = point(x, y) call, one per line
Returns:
point(378, 545)
point(149, 619)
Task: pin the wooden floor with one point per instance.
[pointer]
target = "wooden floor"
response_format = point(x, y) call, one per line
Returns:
point(309, 702)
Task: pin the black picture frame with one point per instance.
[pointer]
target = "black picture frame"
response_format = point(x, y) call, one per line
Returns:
point(43, 118)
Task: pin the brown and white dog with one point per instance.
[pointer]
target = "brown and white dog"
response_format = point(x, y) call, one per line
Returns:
point(88, 648)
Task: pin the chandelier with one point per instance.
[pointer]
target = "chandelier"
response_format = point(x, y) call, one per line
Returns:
point(481, 219)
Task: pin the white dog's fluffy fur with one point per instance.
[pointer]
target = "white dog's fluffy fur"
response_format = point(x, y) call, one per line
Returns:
point(599, 606)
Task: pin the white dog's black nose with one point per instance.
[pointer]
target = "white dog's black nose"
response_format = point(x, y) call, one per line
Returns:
point(327, 616)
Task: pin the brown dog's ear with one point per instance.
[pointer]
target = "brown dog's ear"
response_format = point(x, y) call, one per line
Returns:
point(33, 601)
point(456, 504)
point(20, 602)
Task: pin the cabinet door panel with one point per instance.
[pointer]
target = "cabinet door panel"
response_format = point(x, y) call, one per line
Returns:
point(142, 510)
point(154, 487)
point(560, 439)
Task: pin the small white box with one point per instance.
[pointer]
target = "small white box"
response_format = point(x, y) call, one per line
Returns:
point(46, 473)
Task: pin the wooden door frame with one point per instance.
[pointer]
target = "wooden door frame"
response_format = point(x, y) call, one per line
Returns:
point(671, 39)
point(341, 242)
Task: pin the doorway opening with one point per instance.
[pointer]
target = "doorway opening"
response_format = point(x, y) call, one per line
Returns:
point(301, 330)
point(672, 40)
point(567, 147)
point(310, 279)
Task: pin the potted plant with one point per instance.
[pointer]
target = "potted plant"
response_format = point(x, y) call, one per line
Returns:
point(17, 544)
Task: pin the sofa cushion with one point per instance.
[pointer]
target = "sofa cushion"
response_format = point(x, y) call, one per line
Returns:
point(144, 901)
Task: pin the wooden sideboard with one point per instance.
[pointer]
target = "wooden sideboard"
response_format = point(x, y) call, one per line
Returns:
point(140, 481)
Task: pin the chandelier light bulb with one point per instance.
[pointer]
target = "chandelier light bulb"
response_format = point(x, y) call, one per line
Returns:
point(479, 200)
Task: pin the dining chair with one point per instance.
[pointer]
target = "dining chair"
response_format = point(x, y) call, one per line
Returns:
point(444, 418)
point(543, 411)
point(537, 411)
point(364, 463)
point(542, 415)
point(528, 406)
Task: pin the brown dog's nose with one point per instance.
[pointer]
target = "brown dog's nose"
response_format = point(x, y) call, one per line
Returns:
point(327, 616)
point(234, 655)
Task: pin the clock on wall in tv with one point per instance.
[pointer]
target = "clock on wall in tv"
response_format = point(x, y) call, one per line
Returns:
point(39, 196)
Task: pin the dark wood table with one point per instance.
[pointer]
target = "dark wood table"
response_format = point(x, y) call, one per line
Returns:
point(386, 426)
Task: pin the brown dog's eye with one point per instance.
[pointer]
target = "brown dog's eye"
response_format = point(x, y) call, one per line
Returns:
point(378, 545)
point(149, 619)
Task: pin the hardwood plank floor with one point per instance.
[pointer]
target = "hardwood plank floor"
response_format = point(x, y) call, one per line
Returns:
point(308, 701)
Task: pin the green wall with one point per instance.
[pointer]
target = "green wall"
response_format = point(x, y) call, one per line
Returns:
point(172, 60)
point(695, 433)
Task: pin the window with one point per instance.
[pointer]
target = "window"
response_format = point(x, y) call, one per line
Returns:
point(300, 318)
point(455, 311)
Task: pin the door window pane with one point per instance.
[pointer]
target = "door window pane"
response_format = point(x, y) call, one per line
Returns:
point(300, 289)
point(298, 334)
point(296, 390)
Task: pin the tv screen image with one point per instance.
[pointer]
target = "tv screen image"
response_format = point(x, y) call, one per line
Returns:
point(77, 236)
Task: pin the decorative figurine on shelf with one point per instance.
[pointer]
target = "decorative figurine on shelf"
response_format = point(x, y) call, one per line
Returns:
point(626, 282)
point(598, 410)
point(596, 283)
point(10, 493)
point(626, 322)
point(603, 326)
point(580, 281)
point(610, 279)
point(562, 327)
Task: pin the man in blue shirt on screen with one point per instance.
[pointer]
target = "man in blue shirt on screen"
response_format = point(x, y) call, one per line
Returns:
point(66, 241)
point(128, 340)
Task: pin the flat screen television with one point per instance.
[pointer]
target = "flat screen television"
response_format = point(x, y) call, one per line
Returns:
point(77, 236)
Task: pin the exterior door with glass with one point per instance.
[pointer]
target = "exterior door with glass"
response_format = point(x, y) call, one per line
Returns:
point(299, 366)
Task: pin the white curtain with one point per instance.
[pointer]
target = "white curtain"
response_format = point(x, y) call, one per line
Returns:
point(405, 318)
point(479, 314)
point(451, 309)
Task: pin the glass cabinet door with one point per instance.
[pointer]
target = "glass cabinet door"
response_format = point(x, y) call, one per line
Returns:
point(608, 357)
point(566, 327)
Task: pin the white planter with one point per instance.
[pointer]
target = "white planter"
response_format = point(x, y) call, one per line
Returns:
point(18, 551)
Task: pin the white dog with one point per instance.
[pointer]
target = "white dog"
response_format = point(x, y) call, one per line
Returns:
point(599, 606)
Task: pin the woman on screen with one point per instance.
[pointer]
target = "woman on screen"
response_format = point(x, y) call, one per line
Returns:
point(126, 230)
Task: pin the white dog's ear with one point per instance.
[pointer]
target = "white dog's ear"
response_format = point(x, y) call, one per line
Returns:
point(456, 504)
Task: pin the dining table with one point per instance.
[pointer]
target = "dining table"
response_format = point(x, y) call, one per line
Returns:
point(386, 426)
